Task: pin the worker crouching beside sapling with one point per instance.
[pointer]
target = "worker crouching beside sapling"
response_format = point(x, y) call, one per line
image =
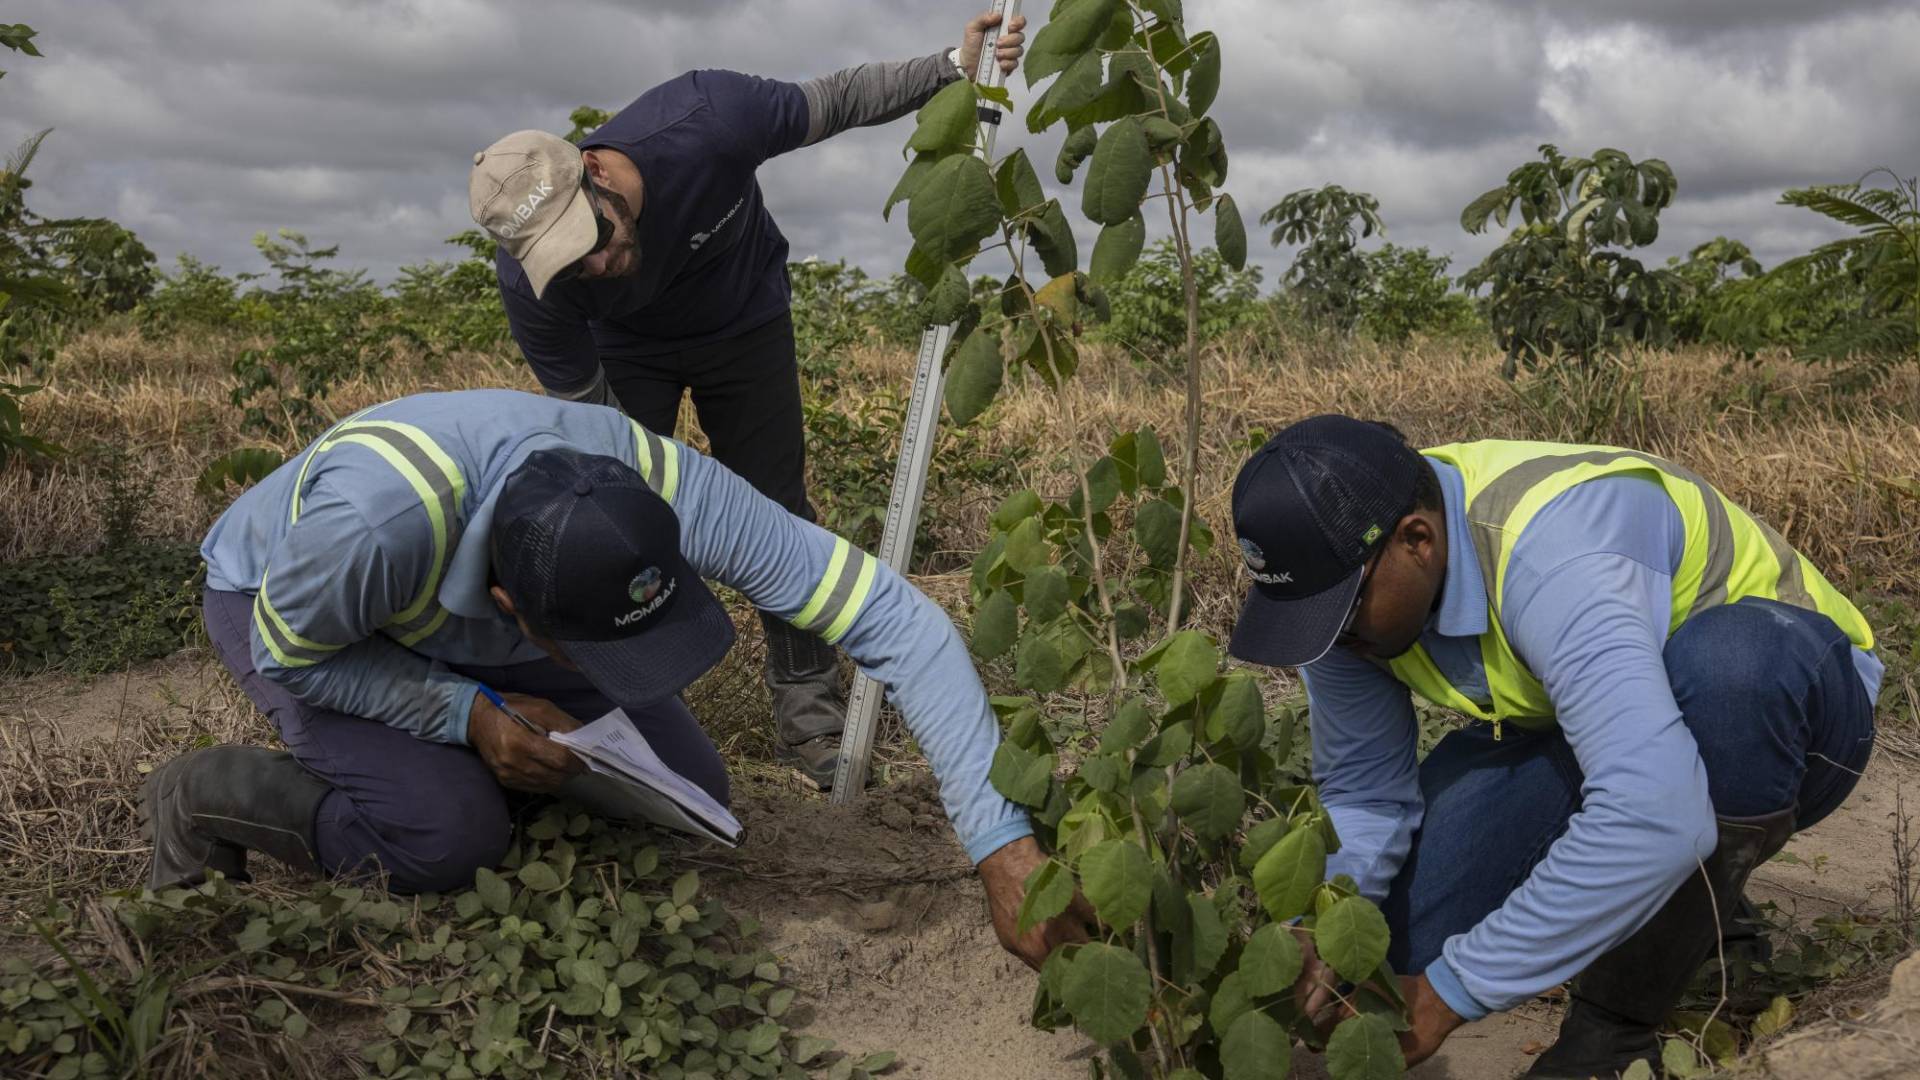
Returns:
point(1669, 691)
point(365, 592)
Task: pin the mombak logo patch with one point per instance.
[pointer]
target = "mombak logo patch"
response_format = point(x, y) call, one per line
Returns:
point(518, 218)
point(644, 585)
point(651, 591)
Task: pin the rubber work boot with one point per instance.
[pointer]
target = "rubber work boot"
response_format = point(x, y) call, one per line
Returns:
point(809, 711)
point(1618, 1004)
point(206, 809)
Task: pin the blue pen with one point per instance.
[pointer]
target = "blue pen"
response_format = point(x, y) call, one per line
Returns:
point(500, 703)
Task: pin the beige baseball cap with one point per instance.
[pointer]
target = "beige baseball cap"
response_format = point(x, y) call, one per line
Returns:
point(525, 191)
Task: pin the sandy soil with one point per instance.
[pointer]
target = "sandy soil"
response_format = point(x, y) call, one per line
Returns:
point(880, 921)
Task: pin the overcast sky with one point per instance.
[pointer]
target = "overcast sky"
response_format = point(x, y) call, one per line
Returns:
point(200, 122)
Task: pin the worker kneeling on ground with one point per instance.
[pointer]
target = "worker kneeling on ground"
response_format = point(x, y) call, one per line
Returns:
point(365, 591)
point(1671, 691)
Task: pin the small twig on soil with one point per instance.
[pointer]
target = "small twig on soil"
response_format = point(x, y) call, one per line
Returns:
point(546, 1029)
point(249, 982)
point(109, 933)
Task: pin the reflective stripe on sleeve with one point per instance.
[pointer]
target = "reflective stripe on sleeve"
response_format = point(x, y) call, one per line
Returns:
point(659, 461)
point(287, 647)
point(842, 591)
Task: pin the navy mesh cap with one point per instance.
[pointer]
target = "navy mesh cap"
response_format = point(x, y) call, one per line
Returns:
point(1310, 508)
point(591, 557)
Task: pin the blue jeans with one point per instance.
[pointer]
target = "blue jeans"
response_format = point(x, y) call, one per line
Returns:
point(428, 813)
point(1772, 698)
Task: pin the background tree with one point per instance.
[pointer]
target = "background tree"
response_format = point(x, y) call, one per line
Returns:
point(1558, 290)
point(1853, 303)
point(1329, 278)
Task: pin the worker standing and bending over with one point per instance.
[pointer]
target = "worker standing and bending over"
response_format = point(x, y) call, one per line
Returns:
point(1669, 691)
point(365, 592)
point(643, 264)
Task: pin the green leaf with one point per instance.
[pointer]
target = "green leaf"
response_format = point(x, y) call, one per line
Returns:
point(1256, 1047)
point(1075, 149)
point(1021, 776)
point(1162, 133)
point(1071, 30)
point(1239, 717)
point(1049, 891)
point(1015, 509)
point(996, 622)
point(1209, 799)
point(1103, 482)
point(1169, 746)
point(1106, 990)
point(1016, 183)
point(1260, 840)
point(953, 209)
point(1039, 665)
point(1117, 249)
point(540, 877)
point(1774, 1020)
point(947, 122)
point(1229, 232)
point(1186, 666)
point(1156, 527)
point(909, 182)
point(1117, 877)
point(685, 887)
point(1639, 1070)
point(238, 467)
point(1271, 961)
point(947, 301)
point(974, 377)
point(1052, 237)
point(1352, 937)
point(1286, 876)
point(1131, 723)
point(397, 1020)
point(878, 1061)
point(1209, 935)
point(1027, 549)
point(1203, 79)
point(1047, 594)
point(1677, 1056)
point(1118, 176)
point(1167, 11)
point(1364, 1047)
point(1229, 1001)
point(1153, 463)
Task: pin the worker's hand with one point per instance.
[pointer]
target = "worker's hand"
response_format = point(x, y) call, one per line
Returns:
point(1432, 1019)
point(1004, 873)
point(520, 759)
point(1314, 992)
point(1009, 46)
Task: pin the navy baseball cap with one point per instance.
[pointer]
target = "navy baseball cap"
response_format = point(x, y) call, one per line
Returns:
point(1311, 508)
point(591, 557)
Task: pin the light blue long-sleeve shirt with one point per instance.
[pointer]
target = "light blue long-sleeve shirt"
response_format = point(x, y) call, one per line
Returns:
point(362, 550)
point(1588, 599)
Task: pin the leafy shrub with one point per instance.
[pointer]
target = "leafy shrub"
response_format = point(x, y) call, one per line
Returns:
point(14, 440)
point(1329, 279)
point(836, 307)
point(1556, 291)
point(1149, 313)
point(195, 296)
point(1856, 300)
point(1410, 293)
point(453, 305)
point(584, 956)
point(59, 275)
point(99, 612)
point(326, 326)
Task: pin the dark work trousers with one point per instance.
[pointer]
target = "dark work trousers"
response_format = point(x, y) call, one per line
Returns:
point(428, 813)
point(746, 391)
point(1772, 699)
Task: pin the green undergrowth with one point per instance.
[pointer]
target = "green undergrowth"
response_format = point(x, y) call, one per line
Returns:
point(99, 612)
point(586, 954)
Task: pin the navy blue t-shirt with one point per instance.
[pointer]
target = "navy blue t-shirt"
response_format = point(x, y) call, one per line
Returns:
point(713, 264)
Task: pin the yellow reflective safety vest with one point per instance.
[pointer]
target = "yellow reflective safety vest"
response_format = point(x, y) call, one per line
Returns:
point(1729, 555)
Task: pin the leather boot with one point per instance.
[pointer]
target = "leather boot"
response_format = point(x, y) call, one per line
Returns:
point(1617, 1005)
point(206, 809)
point(809, 711)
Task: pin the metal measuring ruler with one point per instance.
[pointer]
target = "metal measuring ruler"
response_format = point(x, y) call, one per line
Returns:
point(910, 471)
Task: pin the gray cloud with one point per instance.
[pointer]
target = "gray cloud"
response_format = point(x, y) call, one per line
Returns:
point(200, 122)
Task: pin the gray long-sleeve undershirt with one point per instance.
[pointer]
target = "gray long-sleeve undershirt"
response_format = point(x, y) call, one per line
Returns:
point(868, 94)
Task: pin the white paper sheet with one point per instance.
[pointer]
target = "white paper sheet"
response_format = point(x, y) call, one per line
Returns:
point(613, 747)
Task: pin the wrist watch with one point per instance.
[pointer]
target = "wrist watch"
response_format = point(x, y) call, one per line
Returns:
point(953, 57)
